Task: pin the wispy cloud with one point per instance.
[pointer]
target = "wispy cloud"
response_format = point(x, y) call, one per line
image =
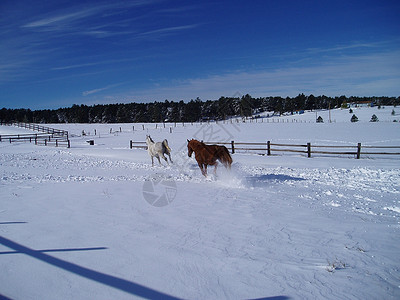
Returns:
point(168, 30)
point(52, 20)
point(375, 74)
point(56, 20)
point(342, 47)
point(98, 90)
point(355, 45)
point(97, 63)
point(76, 66)
point(178, 10)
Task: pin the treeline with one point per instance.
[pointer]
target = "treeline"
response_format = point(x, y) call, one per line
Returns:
point(192, 111)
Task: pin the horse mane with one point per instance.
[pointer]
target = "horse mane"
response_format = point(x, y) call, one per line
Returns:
point(196, 142)
point(151, 140)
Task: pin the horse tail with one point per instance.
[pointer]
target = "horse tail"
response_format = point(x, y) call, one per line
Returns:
point(226, 158)
point(165, 143)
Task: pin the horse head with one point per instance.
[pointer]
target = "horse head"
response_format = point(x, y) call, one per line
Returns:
point(149, 139)
point(190, 149)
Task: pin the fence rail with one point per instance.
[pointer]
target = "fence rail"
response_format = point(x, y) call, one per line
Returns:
point(269, 148)
point(140, 145)
point(41, 128)
point(38, 139)
point(48, 137)
point(11, 137)
point(357, 150)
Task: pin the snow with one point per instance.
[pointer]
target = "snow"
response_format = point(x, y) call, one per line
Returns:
point(79, 223)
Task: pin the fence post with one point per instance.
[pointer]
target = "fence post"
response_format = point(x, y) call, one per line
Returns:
point(309, 149)
point(233, 146)
point(69, 144)
point(130, 144)
point(358, 150)
point(268, 147)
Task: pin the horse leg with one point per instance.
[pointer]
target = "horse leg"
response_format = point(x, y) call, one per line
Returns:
point(163, 156)
point(152, 161)
point(204, 172)
point(170, 158)
point(158, 157)
point(215, 168)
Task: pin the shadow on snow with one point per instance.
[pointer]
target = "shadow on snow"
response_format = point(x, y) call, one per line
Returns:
point(262, 180)
point(112, 281)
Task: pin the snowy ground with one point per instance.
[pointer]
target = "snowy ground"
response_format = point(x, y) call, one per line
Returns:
point(77, 223)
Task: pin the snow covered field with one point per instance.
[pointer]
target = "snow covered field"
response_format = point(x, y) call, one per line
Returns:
point(78, 223)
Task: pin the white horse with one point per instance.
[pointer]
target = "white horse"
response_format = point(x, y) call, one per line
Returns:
point(158, 149)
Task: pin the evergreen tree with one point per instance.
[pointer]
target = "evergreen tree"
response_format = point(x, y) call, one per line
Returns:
point(374, 118)
point(194, 110)
point(354, 119)
point(246, 106)
point(310, 103)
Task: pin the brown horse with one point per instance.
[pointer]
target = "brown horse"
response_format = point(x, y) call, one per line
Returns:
point(208, 155)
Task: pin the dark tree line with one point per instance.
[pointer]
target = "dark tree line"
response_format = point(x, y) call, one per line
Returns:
point(192, 111)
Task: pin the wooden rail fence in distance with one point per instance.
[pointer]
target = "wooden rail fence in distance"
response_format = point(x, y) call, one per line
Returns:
point(268, 148)
point(48, 136)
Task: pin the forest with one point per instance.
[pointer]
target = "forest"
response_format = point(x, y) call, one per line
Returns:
point(192, 111)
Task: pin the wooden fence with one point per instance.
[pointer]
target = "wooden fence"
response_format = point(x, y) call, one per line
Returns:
point(140, 145)
point(48, 137)
point(269, 148)
point(39, 128)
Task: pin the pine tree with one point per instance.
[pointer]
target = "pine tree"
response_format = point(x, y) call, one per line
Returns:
point(374, 118)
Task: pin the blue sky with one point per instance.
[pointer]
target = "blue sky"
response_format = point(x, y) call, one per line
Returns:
point(58, 53)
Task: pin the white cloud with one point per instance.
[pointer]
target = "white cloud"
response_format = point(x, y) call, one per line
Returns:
point(81, 12)
point(169, 29)
point(158, 33)
point(86, 93)
point(94, 91)
point(60, 18)
point(377, 74)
